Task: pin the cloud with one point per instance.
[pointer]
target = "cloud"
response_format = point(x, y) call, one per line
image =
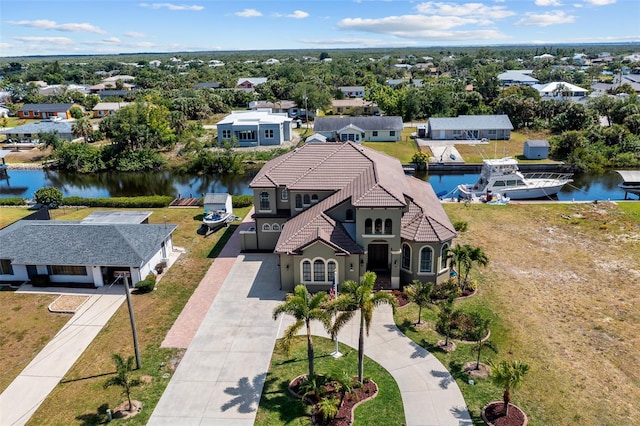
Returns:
point(407, 23)
point(46, 24)
point(548, 3)
point(49, 40)
point(134, 34)
point(600, 2)
point(465, 9)
point(298, 14)
point(546, 19)
point(248, 13)
point(5, 45)
point(172, 6)
point(367, 42)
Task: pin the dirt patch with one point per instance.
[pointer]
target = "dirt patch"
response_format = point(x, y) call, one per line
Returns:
point(448, 347)
point(482, 372)
point(122, 411)
point(67, 304)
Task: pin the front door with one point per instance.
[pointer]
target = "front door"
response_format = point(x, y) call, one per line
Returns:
point(32, 271)
point(378, 257)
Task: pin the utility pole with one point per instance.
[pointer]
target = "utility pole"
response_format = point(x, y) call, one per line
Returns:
point(133, 322)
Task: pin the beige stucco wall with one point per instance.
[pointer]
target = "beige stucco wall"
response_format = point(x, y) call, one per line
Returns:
point(437, 275)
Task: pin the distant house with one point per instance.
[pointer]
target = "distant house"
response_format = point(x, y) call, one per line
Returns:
point(109, 85)
point(218, 201)
point(517, 77)
point(359, 129)
point(470, 127)
point(255, 128)
point(544, 57)
point(115, 78)
point(414, 82)
point(74, 257)
point(316, 138)
point(29, 133)
point(354, 107)
point(155, 64)
point(536, 149)
point(207, 85)
point(561, 90)
point(280, 107)
point(250, 83)
point(103, 109)
point(352, 91)
point(46, 110)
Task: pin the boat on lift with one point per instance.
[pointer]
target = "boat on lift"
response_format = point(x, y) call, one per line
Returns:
point(502, 176)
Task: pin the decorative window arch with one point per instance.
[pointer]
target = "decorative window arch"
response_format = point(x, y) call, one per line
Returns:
point(426, 259)
point(284, 195)
point(298, 201)
point(266, 227)
point(319, 270)
point(306, 271)
point(265, 203)
point(443, 256)
point(275, 227)
point(332, 267)
point(307, 200)
point(378, 226)
point(368, 224)
point(349, 215)
point(388, 226)
point(406, 256)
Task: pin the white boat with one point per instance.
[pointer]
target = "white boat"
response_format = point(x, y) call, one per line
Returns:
point(631, 182)
point(502, 176)
point(217, 219)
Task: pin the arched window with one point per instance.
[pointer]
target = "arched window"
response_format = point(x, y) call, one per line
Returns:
point(265, 204)
point(275, 227)
point(307, 199)
point(298, 201)
point(426, 259)
point(284, 195)
point(306, 271)
point(314, 198)
point(388, 226)
point(406, 256)
point(443, 256)
point(331, 269)
point(367, 226)
point(318, 270)
point(266, 227)
point(378, 229)
point(349, 215)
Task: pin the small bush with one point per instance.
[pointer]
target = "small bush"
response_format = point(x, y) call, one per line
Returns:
point(49, 196)
point(240, 201)
point(446, 290)
point(460, 225)
point(40, 281)
point(152, 201)
point(12, 201)
point(147, 285)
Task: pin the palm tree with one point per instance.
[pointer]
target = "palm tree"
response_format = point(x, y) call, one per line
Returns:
point(82, 128)
point(123, 376)
point(360, 297)
point(458, 256)
point(304, 308)
point(508, 375)
point(420, 294)
point(479, 331)
point(474, 255)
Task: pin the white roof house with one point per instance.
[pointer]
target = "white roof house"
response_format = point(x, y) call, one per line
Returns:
point(255, 128)
point(560, 90)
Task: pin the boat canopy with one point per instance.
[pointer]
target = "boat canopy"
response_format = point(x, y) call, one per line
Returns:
point(629, 176)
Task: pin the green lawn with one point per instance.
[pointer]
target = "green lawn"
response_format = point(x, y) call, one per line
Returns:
point(497, 149)
point(403, 150)
point(8, 215)
point(279, 407)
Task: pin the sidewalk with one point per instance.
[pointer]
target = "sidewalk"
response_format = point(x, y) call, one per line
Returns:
point(25, 394)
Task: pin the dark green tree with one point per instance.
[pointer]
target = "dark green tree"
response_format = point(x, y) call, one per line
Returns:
point(420, 294)
point(48, 196)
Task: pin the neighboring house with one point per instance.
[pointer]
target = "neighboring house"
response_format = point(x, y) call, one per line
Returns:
point(218, 201)
point(250, 83)
point(255, 128)
point(271, 61)
point(4, 111)
point(280, 107)
point(103, 109)
point(316, 138)
point(470, 127)
point(29, 133)
point(359, 129)
point(155, 64)
point(109, 85)
point(114, 93)
point(41, 111)
point(517, 77)
point(413, 82)
point(544, 57)
point(354, 107)
point(215, 63)
point(115, 78)
point(352, 91)
point(207, 85)
point(61, 89)
point(560, 90)
point(346, 209)
point(536, 149)
point(79, 253)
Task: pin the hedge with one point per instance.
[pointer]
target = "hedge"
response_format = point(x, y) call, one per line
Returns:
point(146, 201)
point(147, 285)
point(12, 201)
point(240, 201)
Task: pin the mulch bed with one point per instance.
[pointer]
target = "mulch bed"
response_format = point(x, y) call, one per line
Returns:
point(401, 298)
point(492, 414)
point(350, 401)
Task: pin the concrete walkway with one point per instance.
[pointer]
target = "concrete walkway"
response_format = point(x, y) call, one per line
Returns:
point(25, 394)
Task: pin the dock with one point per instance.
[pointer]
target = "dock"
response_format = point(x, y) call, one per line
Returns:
point(189, 202)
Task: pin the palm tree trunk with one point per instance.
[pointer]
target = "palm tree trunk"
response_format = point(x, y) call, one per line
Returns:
point(506, 398)
point(361, 349)
point(478, 360)
point(310, 351)
point(419, 314)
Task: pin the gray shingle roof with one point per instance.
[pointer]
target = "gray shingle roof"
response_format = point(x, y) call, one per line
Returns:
point(216, 198)
point(72, 243)
point(537, 143)
point(475, 122)
point(325, 124)
point(46, 107)
point(62, 127)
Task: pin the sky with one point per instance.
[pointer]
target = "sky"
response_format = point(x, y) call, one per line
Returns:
point(60, 27)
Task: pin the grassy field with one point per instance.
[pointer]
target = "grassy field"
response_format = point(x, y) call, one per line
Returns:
point(279, 407)
point(8, 215)
point(498, 149)
point(403, 150)
point(561, 288)
point(79, 398)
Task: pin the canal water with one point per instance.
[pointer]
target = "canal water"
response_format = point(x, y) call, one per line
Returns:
point(24, 183)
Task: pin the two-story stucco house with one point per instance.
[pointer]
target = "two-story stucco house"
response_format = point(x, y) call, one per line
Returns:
point(345, 208)
point(255, 128)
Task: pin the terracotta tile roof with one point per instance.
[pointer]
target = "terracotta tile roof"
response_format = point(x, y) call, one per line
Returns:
point(365, 177)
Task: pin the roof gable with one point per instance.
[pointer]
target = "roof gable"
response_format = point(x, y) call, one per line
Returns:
point(326, 124)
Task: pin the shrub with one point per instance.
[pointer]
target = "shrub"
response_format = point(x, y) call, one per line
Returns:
point(446, 290)
point(147, 285)
point(49, 196)
point(240, 201)
point(12, 201)
point(328, 408)
point(40, 281)
point(460, 225)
